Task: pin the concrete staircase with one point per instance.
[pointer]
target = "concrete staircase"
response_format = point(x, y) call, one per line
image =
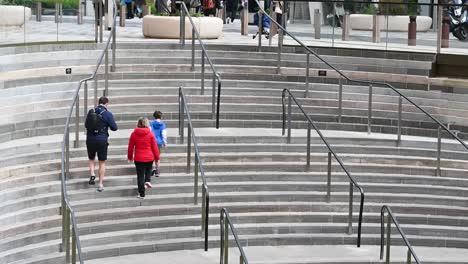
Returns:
point(274, 199)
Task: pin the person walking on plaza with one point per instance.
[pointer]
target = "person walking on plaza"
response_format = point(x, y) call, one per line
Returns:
point(160, 133)
point(231, 9)
point(143, 151)
point(98, 121)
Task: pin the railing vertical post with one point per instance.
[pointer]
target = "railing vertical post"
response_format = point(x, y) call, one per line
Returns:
point(63, 213)
point(382, 233)
point(226, 241)
point(241, 259)
point(38, 11)
point(100, 20)
point(289, 118)
point(96, 90)
point(213, 97)
point(309, 126)
point(189, 147)
point(329, 176)
point(400, 110)
point(203, 212)
point(96, 21)
point(340, 98)
point(350, 215)
point(207, 214)
point(280, 47)
point(408, 257)
point(260, 30)
point(77, 122)
point(106, 74)
point(73, 245)
point(182, 121)
point(195, 187)
point(67, 235)
point(193, 50)
point(182, 26)
point(85, 102)
point(389, 233)
point(67, 154)
point(221, 232)
point(369, 111)
point(203, 72)
point(114, 47)
point(439, 148)
point(307, 75)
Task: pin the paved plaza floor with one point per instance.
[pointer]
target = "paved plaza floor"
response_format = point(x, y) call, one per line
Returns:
point(69, 30)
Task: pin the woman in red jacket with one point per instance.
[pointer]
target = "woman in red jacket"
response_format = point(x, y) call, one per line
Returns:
point(142, 149)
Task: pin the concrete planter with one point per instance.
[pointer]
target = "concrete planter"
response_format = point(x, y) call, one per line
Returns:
point(14, 15)
point(395, 23)
point(169, 27)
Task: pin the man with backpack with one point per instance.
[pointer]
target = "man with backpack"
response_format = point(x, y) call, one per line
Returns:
point(98, 120)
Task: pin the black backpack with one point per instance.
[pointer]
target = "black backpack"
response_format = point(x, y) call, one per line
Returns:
point(94, 122)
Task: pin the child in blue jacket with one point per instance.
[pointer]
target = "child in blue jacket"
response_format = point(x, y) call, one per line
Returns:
point(160, 133)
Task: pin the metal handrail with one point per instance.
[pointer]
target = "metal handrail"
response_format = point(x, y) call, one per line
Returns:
point(216, 77)
point(67, 210)
point(191, 137)
point(370, 83)
point(391, 218)
point(226, 222)
point(331, 152)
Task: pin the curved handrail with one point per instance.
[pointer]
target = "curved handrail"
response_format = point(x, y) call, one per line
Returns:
point(225, 219)
point(198, 161)
point(340, 162)
point(66, 143)
point(195, 32)
point(361, 81)
point(391, 217)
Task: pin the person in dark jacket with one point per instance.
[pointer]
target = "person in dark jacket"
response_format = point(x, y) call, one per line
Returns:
point(98, 142)
point(231, 9)
point(143, 150)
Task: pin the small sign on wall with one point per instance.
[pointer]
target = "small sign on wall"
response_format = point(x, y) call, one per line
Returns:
point(322, 73)
point(68, 71)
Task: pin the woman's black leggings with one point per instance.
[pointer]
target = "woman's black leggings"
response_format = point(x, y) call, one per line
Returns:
point(143, 170)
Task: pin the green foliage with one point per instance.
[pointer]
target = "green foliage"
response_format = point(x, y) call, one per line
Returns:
point(50, 4)
point(369, 10)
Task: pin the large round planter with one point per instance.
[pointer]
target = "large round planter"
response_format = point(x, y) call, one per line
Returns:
point(14, 15)
point(395, 23)
point(168, 27)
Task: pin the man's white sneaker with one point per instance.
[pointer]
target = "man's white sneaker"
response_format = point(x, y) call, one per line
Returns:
point(148, 185)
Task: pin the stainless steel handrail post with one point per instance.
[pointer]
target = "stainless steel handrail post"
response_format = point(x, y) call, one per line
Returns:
point(189, 147)
point(100, 21)
point(280, 48)
point(213, 97)
point(96, 90)
point(241, 259)
point(289, 118)
point(221, 240)
point(350, 215)
point(67, 236)
point(85, 103)
point(203, 73)
point(389, 234)
point(106, 72)
point(329, 167)
point(96, 21)
point(193, 50)
point(203, 212)
point(439, 148)
point(207, 214)
point(226, 241)
point(260, 29)
point(307, 75)
point(67, 156)
point(195, 184)
point(408, 257)
point(309, 126)
point(114, 47)
point(182, 27)
point(369, 111)
point(63, 213)
point(77, 123)
point(182, 121)
point(73, 246)
point(400, 110)
point(340, 99)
